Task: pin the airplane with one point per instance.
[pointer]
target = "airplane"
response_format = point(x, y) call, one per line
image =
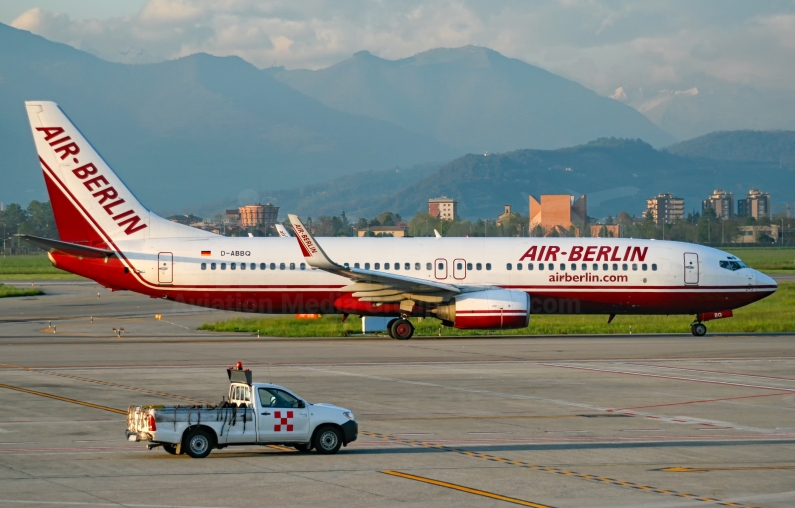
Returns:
point(107, 235)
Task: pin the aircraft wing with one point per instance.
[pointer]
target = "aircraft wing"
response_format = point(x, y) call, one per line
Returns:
point(73, 249)
point(370, 285)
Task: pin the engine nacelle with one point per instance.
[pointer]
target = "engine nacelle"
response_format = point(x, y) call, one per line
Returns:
point(488, 309)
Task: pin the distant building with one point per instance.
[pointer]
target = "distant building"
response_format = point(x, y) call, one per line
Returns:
point(505, 214)
point(555, 214)
point(606, 230)
point(756, 204)
point(758, 234)
point(666, 208)
point(232, 216)
point(258, 216)
point(396, 231)
point(721, 203)
point(443, 208)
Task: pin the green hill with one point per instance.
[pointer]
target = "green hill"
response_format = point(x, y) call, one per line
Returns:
point(745, 145)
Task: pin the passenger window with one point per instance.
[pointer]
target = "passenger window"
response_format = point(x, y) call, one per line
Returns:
point(397, 266)
point(223, 266)
point(644, 267)
point(273, 266)
point(378, 266)
point(459, 266)
point(563, 266)
point(407, 266)
point(624, 267)
point(518, 266)
point(441, 266)
point(508, 266)
point(615, 267)
point(529, 266)
point(356, 265)
point(596, 267)
point(367, 266)
point(212, 266)
point(386, 266)
point(605, 267)
point(282, 266)
point(584, 266)
point(416, 266)
point(232, 266)
point(574, 267)
point(292, 266)
point(488, 266)
point(429, 266)
point(634, 267)
point(204, 266)
point(303, 266)
point(273, 397)
point(653, 267)
point(540, 266)
point(242, 266)
point(469, 266)
point(253, 266)
point(478, 266)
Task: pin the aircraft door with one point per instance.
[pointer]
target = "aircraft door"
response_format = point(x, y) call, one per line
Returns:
point(165, 267)
point(459, 269)
point(691, 268)
point(440, 268)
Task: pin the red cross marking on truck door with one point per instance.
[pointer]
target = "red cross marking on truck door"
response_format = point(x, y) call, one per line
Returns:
point(282, 421)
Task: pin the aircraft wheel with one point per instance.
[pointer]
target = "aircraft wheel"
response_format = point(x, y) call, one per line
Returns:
point(698, 329)
point(389, 327)
point(402, 329)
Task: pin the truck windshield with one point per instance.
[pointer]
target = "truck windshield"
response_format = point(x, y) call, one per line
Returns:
point(273, 397)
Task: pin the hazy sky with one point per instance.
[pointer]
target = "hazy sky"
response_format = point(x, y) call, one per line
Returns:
point(601, 44)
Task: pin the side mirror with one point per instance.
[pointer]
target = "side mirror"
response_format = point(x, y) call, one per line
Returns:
point(301, 404)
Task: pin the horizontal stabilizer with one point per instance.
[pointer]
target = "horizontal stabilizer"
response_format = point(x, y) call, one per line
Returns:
point(73, 249)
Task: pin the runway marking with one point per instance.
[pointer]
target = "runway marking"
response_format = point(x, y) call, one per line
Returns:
point(412, 418)
point(106, 383)
point(701, 401)
point(709, 371)
point(554, 470)
point(707, 469)
point(64, 399)
point(465, 489)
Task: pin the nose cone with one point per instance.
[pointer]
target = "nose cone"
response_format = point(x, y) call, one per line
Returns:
point(765, 281)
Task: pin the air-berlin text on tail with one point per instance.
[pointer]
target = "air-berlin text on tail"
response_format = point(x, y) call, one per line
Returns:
point(583, 253)
point(105, 194)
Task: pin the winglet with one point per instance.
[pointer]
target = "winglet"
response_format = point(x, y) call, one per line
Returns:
point(282, 231)
point(313, 253)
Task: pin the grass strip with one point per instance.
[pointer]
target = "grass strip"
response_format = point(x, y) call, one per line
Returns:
point(31, 267)
point(773, 314)
point(9, 291)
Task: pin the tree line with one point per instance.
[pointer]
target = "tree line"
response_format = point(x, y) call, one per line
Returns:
point(37, 219)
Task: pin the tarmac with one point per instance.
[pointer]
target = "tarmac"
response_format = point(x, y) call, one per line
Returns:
point(564, 421)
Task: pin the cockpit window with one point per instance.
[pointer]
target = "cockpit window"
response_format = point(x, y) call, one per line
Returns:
point(733, 265)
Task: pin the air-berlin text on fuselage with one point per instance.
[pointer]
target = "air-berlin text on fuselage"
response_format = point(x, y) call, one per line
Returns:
point(582, 253)
point(64, 146)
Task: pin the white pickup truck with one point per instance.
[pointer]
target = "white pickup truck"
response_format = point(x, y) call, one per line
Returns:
point(254, 414)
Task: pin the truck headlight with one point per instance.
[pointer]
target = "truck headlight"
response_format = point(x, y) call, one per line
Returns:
point(348, 415)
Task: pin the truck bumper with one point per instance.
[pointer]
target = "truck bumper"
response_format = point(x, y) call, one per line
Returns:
point(136, 437)
point(351, 431)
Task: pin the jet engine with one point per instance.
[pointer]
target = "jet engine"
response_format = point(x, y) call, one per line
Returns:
point(488, 309)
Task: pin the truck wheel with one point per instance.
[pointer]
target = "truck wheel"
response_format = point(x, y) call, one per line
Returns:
point(171, 449)
point(327, 440)
point(198, 443)
point(303, 447)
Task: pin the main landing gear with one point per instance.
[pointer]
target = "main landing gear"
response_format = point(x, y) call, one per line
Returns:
point(698, 329)
point(400, 329)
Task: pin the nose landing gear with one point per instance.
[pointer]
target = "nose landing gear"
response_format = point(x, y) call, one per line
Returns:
point(698, 329)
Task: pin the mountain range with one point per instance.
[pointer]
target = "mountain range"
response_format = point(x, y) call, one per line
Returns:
point(202, 129)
